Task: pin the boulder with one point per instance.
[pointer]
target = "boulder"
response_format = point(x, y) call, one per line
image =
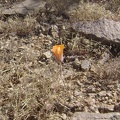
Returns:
point(23, 8)
point(103, 30)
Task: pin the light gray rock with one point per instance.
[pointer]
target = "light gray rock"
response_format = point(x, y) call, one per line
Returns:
point(102, 93)
point(47, 54)
point(23, 7)
point(85, 64)
point(104, 30)
point(95, 116)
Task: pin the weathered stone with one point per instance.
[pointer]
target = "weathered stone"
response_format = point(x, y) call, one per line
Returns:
point(85, 65)
point(47, 54)
point(93, 69)
point(23, 8)
point(64, 116)
point(104, 30)
point(95, 116)
point(102, 93)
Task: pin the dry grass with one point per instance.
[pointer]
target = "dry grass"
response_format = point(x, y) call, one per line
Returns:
point(30, 88)
point(88, 11)
point(18, 26)
point(113, 5)
point(61, 5)
point(114, 72)
point(27, 92)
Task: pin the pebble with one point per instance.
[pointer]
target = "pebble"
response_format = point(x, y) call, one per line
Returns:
point(76, 93)
point(110, 101)
point(102, 93)
point(47, 54)
point(93, 69)
point(64, 116)
point(85, 64)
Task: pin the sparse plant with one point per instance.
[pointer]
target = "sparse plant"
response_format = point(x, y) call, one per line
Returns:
point(113, 5)
point(61, 5)
point(21, 27)
point(88, 11)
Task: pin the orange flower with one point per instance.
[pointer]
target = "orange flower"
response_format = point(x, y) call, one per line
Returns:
point(57, 50)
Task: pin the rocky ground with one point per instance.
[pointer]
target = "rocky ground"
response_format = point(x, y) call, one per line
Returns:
point(31, 84)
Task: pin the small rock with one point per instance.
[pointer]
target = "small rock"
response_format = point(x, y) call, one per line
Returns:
point(91, 89)
point(54, 31)
point(45, 57)
point(85, 65)
point(102, 93)
point(76, 93)
point(93, 69)
point(91, 101)
point(49, 38)
point(110, 101)
point(47, 54)
point(41, 35)
point(64, 116)
point(76, 64)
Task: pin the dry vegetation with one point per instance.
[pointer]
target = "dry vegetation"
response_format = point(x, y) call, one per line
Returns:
point(88, 11)
point(30, 87)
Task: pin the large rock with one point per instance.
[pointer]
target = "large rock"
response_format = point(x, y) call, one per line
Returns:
point(95, 116)
point(104, 30)
point(23, 7)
